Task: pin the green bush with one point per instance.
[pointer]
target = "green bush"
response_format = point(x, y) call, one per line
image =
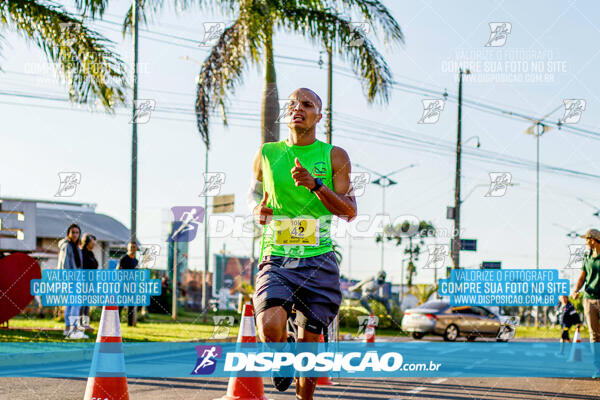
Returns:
point(351, 310)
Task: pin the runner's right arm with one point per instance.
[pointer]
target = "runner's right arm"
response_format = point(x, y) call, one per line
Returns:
point(257, 197)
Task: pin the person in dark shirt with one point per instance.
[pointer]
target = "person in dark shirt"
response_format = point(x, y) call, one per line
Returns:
point(568, 317)
point(88, 261)
point(88, 243)
point(128, 261)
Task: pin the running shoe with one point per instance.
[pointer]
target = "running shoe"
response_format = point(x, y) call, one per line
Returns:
point(283, 378)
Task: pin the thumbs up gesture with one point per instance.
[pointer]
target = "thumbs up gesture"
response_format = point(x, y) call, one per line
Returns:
point(262, 213)
point(301, 176)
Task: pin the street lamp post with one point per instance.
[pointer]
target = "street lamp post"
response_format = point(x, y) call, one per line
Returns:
point(456, 233)
point(384, 181)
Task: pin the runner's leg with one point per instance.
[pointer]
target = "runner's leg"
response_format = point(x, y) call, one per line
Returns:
point(271, 323)
point(306, 385)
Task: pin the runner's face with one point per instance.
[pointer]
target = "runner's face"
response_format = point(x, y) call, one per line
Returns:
point(303, 109)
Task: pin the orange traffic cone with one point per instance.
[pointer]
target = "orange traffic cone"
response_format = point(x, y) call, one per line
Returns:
point(370, 330)
point(107, 379)
point(576, 348)
point(245, 388)
point(324, 380)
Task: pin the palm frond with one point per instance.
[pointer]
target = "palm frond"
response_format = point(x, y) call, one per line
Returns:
point(378, 16)
point(352, 45)
point(91, 8)
point(150, 8)
point(84, 58)
point(238, 45)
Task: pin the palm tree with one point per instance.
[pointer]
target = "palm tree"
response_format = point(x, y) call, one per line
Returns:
point(423, 292)
point(249, 40)
point(92, 71)
point(413, 232)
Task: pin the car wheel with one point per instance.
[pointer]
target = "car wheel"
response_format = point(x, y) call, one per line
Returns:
point(418, 335)
point(471, 338)
point(451, 333)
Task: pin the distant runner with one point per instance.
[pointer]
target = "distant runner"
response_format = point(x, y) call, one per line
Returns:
point(302, 182)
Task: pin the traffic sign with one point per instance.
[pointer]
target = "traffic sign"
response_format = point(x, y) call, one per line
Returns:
point(491, 265)
point(223, 204)
point(466, 244)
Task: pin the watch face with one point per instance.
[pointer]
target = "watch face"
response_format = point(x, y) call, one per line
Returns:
point(318, 184)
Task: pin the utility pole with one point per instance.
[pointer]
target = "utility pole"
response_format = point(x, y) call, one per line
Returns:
point(349, 256)
point(133, 231)
point(205, 274)
point(132, 316)
point(538, 129)
point(175, 279)
point(329, 95)
point(456, 234)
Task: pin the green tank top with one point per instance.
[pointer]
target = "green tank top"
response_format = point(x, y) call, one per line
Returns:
point(291, 201)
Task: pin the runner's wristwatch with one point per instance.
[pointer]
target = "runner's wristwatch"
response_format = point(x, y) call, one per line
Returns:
point(318, 184)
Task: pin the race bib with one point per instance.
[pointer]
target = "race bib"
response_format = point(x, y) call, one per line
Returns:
point(297, 231)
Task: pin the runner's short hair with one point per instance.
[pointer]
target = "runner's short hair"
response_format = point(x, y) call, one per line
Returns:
point(319, 101)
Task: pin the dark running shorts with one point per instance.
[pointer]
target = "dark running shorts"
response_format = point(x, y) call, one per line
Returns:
point(311, 285)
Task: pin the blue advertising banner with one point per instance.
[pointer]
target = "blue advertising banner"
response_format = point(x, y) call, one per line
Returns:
point(507, 287)
point(347, 359)
point(96, 287)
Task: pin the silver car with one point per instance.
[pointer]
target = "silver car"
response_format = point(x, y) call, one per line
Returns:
point(439, 318)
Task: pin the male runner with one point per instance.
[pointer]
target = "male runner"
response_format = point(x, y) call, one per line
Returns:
point(305, 183)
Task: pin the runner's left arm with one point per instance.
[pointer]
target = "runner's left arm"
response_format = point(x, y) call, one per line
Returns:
point(341, 201)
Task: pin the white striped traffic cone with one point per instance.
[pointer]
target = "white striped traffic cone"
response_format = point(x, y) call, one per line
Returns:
point(107, 379)
point(370, 329)
point(576, 348)
point(245, 388)
point(324, 380)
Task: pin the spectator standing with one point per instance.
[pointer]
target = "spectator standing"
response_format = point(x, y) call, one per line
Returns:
point(88, 262)
point(129, 261)
point(567, 317)
point(70, 257)
point(590, 277)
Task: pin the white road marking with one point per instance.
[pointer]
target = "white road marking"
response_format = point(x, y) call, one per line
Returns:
point(421, 388)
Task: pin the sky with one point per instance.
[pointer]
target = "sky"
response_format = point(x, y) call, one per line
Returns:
point(544, 61)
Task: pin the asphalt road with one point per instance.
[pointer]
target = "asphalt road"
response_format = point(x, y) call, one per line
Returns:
point(347, 389)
